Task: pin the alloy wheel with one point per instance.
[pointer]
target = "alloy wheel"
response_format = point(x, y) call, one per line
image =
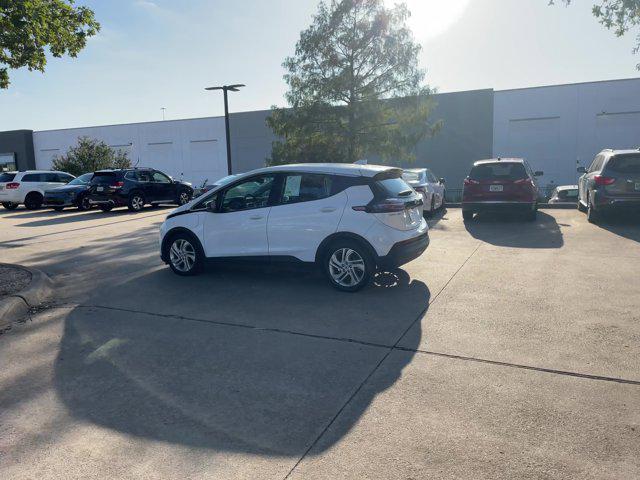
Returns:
point(137, 202)
point(184, 198)
point(346, 267)
point(182, 255)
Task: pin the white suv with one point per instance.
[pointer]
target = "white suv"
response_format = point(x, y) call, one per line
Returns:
point(29, 187)
point(349, 219)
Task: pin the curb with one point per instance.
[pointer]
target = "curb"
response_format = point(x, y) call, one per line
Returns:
point(18, 305)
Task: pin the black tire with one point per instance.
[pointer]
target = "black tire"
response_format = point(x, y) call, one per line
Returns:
point(106, 207)
point(532, 215)
point(84, 203)
point(58, 209)
point(136, 202)
point(443, 205)
point(10, 205)
point(467, 215)
point(33, 201)
point(185, 244)
point(183, 197)
point(593, 216)
point(581, 207)
point(359, 270)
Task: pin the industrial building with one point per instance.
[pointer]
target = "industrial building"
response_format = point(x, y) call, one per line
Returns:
point(556, 128)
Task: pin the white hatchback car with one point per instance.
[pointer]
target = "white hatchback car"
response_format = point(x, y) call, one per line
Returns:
point(426, 183)
point(348, 219)
point(29, 187)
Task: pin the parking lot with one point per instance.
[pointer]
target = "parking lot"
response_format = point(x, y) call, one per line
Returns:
point(510, 349)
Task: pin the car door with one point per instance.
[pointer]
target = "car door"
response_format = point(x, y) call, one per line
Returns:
point(587, 178)
point(164, 190)
point(237, 225)
point(305, 214)
point(436, 187)
point(143, 180)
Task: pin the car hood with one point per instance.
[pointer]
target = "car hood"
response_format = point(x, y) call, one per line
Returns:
point(68, 189)
point(186, 184)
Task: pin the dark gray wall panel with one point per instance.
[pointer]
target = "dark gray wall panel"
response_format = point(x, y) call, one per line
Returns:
point(19, 142)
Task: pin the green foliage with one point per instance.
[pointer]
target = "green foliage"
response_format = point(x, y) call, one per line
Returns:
point(617, 15)
point(27, 27)
point(355, 88)
point(90, 155)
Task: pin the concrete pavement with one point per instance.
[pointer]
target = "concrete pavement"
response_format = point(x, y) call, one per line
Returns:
point(506, 351)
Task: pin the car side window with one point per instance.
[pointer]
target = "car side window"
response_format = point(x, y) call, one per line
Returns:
point(143, 176)
point(159, 177)
point(247, 195)
point(62, 178)
point(31, 177)
point(595, 165)
point(305, 187)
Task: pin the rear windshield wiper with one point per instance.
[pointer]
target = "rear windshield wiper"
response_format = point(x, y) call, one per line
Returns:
point(405, 193)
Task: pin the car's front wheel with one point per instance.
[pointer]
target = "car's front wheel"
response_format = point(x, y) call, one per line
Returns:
point(348, 265)
point(10, 205)
point(467, 215)
point(593, 216)
point(183, 198)
point(185, 255)
point(84, 203)
point(136, 202)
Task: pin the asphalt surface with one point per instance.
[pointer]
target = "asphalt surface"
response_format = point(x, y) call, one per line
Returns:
point(508, 350)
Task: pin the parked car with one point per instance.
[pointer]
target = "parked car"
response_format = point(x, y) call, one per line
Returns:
point(28, 187)
point(612, 182)
point(207, 187)
point(502, 184)
point(135, 188)
point(564, 194)
point(73, 194)
point(348, 219)
point(431, 188)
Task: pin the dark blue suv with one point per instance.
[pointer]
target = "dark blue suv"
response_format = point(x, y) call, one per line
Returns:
point(135, 188)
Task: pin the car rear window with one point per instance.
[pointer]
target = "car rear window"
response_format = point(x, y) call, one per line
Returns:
point(395, 187)
point(7, 177)
point(104, 178)
point(411, 176)
point(498, 171)
point(624, 164)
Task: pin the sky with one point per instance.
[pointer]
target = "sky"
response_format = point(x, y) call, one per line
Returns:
point(163, 53)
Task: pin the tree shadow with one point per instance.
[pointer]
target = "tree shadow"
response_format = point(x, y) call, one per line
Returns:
point(254, 360)
point(623, 224)
point(511, 230)
point(73, 216)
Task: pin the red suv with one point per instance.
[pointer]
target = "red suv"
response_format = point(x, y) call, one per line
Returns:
point(503, 184)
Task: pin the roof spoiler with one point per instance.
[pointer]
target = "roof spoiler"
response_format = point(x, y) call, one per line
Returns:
point(390, 173)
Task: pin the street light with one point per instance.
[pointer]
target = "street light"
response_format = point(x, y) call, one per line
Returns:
point(225, 89)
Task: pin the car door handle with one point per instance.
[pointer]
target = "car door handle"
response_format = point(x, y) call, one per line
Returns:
point(256, 217)
point(328, 209)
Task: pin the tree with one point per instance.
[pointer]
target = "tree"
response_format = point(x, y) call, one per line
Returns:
point(355, 88)
point(617, 15)
point(90, 155)
point(27, 27)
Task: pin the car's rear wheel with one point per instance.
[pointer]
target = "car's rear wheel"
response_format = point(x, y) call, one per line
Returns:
point(33, 201)
point(348, 265)
point(183, 198)
point(84, 203)
point(532, 215)
point(106, 207)
point(467, 215)
point(581, 207)
point(136, 202)
point(593, 216)
point(185, 255)
point(10, 205)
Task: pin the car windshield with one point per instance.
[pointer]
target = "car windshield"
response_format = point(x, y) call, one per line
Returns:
point(498, 171)
point(7, 177)
point(81, 180)
point(225, 180)
point(625, 164)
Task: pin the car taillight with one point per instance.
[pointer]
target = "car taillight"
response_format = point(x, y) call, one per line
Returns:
point(117, 185)
point(12, 185)
point(389, 205)
point(602, 180)
point(469, 181)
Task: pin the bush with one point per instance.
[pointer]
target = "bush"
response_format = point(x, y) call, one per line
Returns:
point(90, 155)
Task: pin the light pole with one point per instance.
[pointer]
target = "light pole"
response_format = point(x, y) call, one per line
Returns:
point(225, 89)
point(163, 109)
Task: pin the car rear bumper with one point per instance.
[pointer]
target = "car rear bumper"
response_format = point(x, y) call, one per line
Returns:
point(405, 251)
point(605, 202)
point(498, 206)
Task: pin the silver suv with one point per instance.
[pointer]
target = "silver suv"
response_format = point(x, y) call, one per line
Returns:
point(612, 182)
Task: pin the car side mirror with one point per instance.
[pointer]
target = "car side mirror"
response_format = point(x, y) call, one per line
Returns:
point(581, 170)
point(539, 173)
point(441, 181)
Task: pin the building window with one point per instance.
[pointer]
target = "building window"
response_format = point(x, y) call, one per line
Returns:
point(8, 162)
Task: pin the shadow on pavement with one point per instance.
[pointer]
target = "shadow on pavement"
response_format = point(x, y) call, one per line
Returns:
point(623, 224)
point(257, 360)
point(73, 216)
point(511, 230)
